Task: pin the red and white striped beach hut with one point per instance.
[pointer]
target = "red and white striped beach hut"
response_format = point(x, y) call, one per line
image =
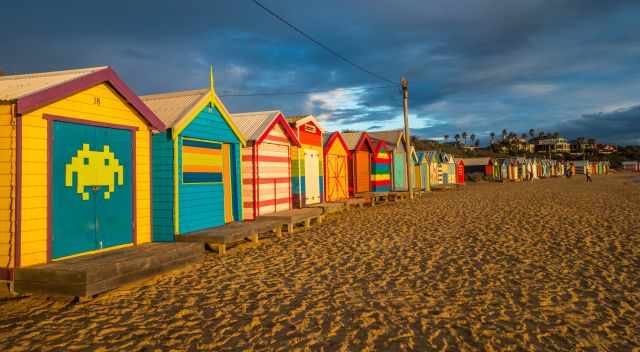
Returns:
point(266, 162)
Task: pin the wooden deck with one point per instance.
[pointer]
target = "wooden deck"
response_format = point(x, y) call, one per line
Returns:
point(298, 218)
point(235, 232)
point(89, 275)
point(398, 196)
point(374, 197)
point(330, 207)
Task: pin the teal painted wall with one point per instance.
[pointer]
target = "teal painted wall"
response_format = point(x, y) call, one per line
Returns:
point(162, 186)
point(399, 171)
point(202, 205)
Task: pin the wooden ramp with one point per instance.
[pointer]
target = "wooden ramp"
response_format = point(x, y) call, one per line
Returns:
point(233, 233)
point(89, 275)
point(298, 218)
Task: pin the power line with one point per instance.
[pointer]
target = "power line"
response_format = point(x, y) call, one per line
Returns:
point(333, 52)
point(298, 92)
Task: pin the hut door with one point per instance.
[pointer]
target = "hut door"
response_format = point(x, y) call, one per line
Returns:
point(91, 200)
point(336, 177)
point(363, 170)
point(399, 173)
point(274, 185)
point(311, 176)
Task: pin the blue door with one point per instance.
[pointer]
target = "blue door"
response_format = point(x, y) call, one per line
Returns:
point(91, 187)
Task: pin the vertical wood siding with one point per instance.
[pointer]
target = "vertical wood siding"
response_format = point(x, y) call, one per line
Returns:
point(309, 141)
point(362, 162)
point(399, 170)
point(163, 185)
point(203, 206)
point(111, 109)
point(7, 187)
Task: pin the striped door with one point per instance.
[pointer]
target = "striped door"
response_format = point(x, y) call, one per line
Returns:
point(274, 178)
point(336, 177)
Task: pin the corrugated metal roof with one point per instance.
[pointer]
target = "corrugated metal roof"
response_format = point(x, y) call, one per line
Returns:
point(171, 107)
point(17, 86)
point(351, 139)
point(253, 124)
point(391, 137)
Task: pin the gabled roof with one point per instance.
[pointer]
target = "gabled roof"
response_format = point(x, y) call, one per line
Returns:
point(393, 137)
point(330, 138)
point(355, 140)
point(32, 91)
point(299, 120)
point(178, 109)
point(172, 107)
point(253, 125)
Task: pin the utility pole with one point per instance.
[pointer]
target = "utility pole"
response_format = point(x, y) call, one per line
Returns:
point(407, 135)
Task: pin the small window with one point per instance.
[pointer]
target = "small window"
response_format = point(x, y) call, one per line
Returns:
point(310, 128)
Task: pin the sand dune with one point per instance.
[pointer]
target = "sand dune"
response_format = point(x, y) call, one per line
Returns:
point(552, 266)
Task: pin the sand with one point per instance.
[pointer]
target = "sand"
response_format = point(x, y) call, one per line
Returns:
point(553, 266)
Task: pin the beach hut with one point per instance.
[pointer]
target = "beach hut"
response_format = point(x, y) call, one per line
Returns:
point(447, 169)
point(381, 168)
point(75, 152)
point(433, 159)
point(266, 162)
point(397, 145)
point(505, 170)
point(361, 150)
point(482, 166)
point(425, 170)
point(416, 180)
point(459, 171)
point(336, 167)
point(630, 166)
point(488, 169)
point(195, 165)
point(581, 166)
point(307, 174)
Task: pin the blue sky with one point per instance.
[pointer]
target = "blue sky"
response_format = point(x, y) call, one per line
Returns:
point(473, 65)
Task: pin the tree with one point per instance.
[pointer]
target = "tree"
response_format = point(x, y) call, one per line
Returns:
point(493, 136)
point(523, 136)
point(532, 132)
point(446, 138)
point(477, 142)
point(473, 137)
point(464, 136)
point(541, 134)
point(457, 137)
point(556, 134)
point(504, 133)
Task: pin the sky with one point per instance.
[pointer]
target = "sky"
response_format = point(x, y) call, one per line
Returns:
point(479, 66)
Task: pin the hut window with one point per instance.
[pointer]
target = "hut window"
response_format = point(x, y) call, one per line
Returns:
point(310, 128)
point(201, 161)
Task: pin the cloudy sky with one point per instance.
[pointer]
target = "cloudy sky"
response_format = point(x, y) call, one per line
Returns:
point(571, 66)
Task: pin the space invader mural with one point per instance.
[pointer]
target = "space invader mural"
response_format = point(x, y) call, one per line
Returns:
point(94, 169)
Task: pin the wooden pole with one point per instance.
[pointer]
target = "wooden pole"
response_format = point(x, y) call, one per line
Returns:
point(407, 135)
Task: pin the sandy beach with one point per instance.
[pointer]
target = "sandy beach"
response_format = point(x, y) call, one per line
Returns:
point(548, 266)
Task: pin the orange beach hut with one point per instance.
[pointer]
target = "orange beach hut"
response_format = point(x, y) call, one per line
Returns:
point(336, 166)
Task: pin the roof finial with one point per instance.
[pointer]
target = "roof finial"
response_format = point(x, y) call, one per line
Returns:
point(211, 81)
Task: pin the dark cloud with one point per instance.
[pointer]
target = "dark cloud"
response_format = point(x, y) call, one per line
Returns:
point(474, 65)
point(620, 126)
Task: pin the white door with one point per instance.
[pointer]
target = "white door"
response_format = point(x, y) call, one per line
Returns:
point(311, 176)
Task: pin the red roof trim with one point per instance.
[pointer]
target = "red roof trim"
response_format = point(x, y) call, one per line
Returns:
point(47, 96)
point(285, 126)
point(335, 135)
point(365, 139)
point(381, 144)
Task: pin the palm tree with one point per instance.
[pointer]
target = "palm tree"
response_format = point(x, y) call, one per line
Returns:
point(457, 137)
point(493, 136)
point(472, 137)
point(477, 143)
point(532, 132)
point(464, 136)
point(504, 133)
point(446, 138)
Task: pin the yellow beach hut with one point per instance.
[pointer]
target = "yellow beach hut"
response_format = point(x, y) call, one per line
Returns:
point(75, 150)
